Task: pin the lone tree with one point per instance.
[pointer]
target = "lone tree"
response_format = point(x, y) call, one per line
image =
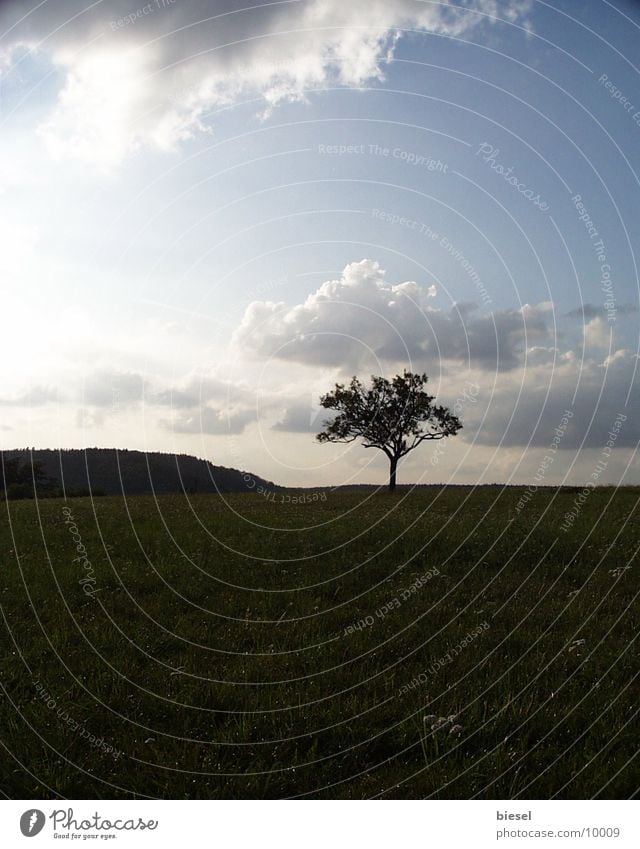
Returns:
point(394, 416)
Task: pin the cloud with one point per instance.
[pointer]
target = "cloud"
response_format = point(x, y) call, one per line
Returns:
point(542, 355)
point(597, 333)
point(104, 388)
point(302, 416)
point(196, 391)
point(149, 75)
point(199, 404)
point(108, 392)
point(37, 396)
point(346, 320)
point(526, 408)
point(207, 404)
point(586, 312)
point(216, 422)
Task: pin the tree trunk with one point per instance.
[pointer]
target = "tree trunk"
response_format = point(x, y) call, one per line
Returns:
point(392, 473)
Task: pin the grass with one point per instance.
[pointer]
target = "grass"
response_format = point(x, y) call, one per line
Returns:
point(238, 647)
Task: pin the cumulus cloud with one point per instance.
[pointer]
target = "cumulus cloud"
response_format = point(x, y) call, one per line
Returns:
point(149, 75)
point(346, 320)
point(597, 333)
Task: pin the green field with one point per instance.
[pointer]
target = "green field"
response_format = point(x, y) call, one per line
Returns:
point(240, 647)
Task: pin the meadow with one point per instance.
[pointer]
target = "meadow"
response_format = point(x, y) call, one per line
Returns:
point(447, 643)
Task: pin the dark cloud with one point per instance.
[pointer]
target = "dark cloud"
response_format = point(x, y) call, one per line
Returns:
point(586, 312)
point(602, 392)
point(216, 422)
point(303, 416)
point(590, 311)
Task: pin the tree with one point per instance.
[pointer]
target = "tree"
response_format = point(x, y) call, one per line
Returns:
point(395, 416)
point(24, 479)
point(10, 471)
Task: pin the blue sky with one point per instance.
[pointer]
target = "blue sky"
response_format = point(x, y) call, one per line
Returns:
point(212, 214)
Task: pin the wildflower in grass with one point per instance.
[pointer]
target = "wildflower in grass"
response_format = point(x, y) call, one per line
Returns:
point(618, 571)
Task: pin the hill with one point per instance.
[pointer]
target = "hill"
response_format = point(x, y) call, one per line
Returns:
point(110, 471)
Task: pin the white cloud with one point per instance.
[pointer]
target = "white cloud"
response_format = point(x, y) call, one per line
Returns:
point(148, 79)
point(597, 333)
point(95, 117)
point(347, 320)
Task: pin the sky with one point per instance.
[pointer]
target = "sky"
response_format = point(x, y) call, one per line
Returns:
point(212, 212)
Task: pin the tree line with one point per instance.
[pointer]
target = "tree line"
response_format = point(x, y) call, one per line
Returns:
point(26, 479)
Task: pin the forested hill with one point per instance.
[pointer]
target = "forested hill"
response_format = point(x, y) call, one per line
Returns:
point(109, 471)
